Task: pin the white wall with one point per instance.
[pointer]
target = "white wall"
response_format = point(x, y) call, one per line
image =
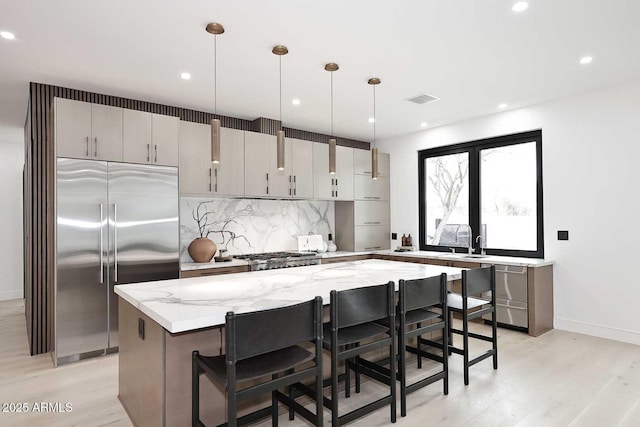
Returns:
point(591, 149)
point(11, 163)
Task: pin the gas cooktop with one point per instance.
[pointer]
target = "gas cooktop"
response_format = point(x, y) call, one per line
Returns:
point(271, 260)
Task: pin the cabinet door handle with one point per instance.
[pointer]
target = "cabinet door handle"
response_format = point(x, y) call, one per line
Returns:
point(155, 153)
point(87, 141)
point(95, 152)
point(372, 197)
point(209, 179)
point(372, 223)
point(290, 185)
point(267, 183)
point(148, 155)
point(373, 247)
point(215, 174)
point(295, 185)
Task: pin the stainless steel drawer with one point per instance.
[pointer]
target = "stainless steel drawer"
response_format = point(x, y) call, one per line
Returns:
point(511, 283)
point(513, 313)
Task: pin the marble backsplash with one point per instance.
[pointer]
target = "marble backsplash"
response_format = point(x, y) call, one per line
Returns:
point(253, 225)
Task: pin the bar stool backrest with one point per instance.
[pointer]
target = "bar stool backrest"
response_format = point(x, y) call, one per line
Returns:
point(362, 305)
point(260, 332)
point(478, 280)
point(421, 293)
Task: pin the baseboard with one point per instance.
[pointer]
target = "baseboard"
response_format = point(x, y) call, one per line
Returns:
point(4, 296)
point(601, 331)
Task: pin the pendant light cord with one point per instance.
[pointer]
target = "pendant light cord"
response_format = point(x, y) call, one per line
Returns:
point(215, 75)
point(374, 115)
point(331, 104)
point(280, 58)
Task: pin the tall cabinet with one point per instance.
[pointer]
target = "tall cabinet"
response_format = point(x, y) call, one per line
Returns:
point(364, 225)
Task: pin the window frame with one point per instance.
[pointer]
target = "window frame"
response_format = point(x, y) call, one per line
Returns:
point(473, 149)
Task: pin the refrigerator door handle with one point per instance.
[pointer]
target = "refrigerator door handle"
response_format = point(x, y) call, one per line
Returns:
point(115, 243)
point(100, 227)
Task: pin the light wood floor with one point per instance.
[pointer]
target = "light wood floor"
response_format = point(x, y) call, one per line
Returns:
point(558, 379)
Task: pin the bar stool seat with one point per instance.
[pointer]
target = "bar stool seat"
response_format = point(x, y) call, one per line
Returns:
point(353, 334)
point(413, 317)
point(454, 301)
point(258, 366)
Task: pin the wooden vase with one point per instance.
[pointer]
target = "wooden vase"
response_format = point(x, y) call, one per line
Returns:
point(202, 249)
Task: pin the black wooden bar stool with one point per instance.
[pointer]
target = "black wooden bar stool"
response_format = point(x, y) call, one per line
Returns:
point(474, 283)
point(259, 344)
point(421, 309)
point(353, 331)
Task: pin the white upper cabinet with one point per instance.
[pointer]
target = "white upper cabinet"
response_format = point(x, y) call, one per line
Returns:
point(228, 175)
point(195, 158)
point(165, 136)
point(72, 128)
point(138, 133)
point(362, 163)
point(256, 163)
point(338, 186)
point(151, 138)
point(106, 132)
point(367, 188)
point(302, 168)
point(88, 131)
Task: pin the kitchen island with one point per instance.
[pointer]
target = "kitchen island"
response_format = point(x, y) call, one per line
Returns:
point(162, 322)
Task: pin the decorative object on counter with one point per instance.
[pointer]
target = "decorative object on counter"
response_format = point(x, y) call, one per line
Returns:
point(215, 29)
point(331, 246)
point(202, 249)
point(280, 51)
point(374, 81)
point(331, 67)
point(310, 243)
point(223, 257)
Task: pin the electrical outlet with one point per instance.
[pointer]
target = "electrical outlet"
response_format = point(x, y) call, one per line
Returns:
point(563, 235)
point(394, 236)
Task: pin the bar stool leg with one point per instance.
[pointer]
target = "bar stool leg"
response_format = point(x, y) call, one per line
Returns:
point(292, 413)
point(449, 332)
point(419, 347)
point(357, 373)
point(195, 389)
point(402, 368)
point(445, 359)
point(465, 345)
point(347, 376)
point(334, 385)
point(494, 327)
point(274, 405)
point(393, 370)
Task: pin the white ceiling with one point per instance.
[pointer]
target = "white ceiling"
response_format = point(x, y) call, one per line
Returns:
point(473, 54)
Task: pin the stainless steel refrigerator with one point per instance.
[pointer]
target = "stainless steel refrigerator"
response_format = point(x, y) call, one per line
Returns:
point(117, 223)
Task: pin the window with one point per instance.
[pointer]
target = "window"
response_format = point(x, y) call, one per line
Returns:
point(485, 193)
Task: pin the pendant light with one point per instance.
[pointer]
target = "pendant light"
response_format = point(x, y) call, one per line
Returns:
point(331, 67)
point(374, 150)
point(215, 29)
point(280, 51)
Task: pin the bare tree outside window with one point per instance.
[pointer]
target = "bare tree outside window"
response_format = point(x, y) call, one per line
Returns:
point(447, 193)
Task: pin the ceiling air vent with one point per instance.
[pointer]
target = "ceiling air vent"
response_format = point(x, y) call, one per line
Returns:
point(423, 98)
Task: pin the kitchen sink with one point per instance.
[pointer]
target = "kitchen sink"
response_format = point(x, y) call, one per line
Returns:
point(467, 256)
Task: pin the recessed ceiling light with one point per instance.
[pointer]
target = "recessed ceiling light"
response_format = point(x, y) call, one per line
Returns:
point(185, 76)
point(424, 124)
point(371, 120)
point(295, 101)
point(520, 6)
point(7, 35)
point(586, 60)
point(502, 106)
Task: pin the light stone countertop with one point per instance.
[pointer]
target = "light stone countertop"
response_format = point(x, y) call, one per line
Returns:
point(181, 305)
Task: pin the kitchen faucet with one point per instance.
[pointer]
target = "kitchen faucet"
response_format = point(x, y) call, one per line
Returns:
point(480, 241)
point(470, 239)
